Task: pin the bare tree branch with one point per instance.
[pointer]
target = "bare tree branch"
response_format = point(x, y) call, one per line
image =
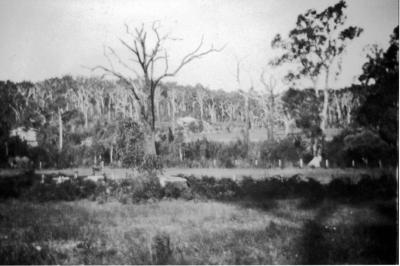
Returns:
point(148, 52)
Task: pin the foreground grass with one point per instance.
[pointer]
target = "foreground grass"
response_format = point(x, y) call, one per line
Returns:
point(285, 231)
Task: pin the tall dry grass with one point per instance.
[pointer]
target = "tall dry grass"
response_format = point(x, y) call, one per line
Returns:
point(190, 232)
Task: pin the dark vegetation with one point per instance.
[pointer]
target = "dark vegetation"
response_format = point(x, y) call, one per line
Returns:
point(344, 243)
point(147, 187)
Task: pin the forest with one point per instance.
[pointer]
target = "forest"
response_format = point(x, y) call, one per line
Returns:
point(75, 119)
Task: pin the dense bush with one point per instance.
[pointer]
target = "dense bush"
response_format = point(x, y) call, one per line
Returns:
point(131, 189)
point(12, 187)
point(295, 187)
point(202, 153)
point(146, 187)
point(211, 188)
point(178, 190)
point(130, 144)
point(362, 147)
point(289, 149)
point(69, 190)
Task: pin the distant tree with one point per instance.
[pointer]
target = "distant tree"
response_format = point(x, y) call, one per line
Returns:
point(381, 76)
point(269, 103)
point(304, 107)
point(316, 44)
point(57, 98)
point(7, 115)
point(18, 108)
point(106, 134)
point(201, 94)
point(246, 93)
point(149, 57)
point(129, 144)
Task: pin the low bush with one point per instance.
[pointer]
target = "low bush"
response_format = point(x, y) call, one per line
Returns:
point(69, 190)
point(12, 187)
point(178, 190)
point(14, 253)
point(289, 149)
point(211, 188)
point(146, 187)
point(294, 187)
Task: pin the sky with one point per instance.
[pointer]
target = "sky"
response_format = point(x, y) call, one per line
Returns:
point(46, 38)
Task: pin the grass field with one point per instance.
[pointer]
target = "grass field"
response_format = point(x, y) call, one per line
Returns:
point(283, 228)
point(190, 232)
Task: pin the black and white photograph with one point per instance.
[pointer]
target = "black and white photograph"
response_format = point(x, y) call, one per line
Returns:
point(201, 132)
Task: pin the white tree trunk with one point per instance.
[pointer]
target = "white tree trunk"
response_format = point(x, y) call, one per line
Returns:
point(60, 130)
point(111, 154)
point(173, 110)
point(339, 109)
point(324, 114)
point(150, 143)
point(86, 117)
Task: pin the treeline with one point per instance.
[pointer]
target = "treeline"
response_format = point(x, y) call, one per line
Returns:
point(77, 119)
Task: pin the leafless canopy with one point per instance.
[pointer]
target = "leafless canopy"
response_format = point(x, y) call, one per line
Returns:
point(147, 47)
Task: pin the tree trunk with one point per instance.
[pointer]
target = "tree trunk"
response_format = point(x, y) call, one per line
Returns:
point(314, 144)
point(157, 105)
point(271, 115)
point(137, 111)
point(339, 109)
point(109, 110)
point(201, 109)
point(150, 143)
point(324, 115)
point(247, 118)
point(6, 144)
point(173, 107)
point(130, 110)
point(111, 154)
point(287, 124)
point(213, 113)
point(86, 117)
point(60, 131)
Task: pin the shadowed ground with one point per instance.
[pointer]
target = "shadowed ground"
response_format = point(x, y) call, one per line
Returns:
point(182, 232)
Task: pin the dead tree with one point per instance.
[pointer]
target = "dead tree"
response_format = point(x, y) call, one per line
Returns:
point(246, 95)
point(269, 103)
point(149, 55)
